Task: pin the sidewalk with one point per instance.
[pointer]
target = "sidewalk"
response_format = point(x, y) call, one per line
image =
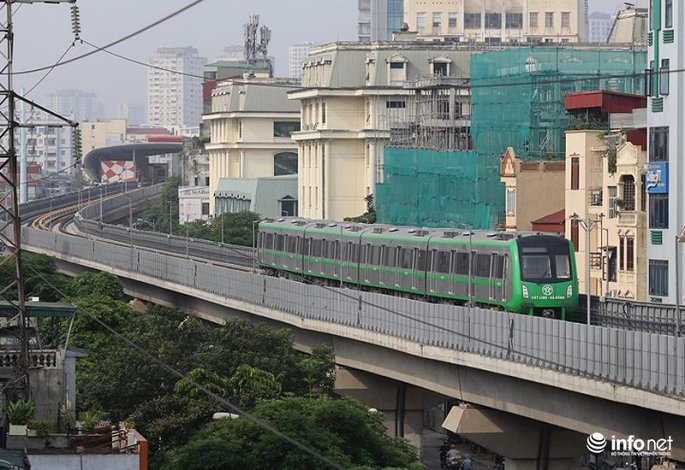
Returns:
point(432, 441)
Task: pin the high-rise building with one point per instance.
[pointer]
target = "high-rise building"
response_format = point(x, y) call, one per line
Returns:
point(73, 104)
point(174, 88)
point(665, 171)
point(296, 54)
point(532, 21)
point(378, 19)
point(600, 26)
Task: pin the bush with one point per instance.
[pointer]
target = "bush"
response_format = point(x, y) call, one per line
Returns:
point(20, 412)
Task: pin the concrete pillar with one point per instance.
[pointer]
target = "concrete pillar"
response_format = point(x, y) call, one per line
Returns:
point(402, 405)
point(525, 444)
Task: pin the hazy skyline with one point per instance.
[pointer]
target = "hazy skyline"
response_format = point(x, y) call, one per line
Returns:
point(43, 33)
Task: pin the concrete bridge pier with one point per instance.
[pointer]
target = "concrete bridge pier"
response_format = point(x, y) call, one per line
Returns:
point(526, 444)
point(402, 405)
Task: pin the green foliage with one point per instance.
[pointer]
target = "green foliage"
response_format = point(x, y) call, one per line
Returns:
point(207, 379)
point(318, 370)
point(43, 427)
point(237, 228)
point(160, 210)
point(251, 385)
point(40, 278)
point(341, 430)
point(369, 217)
point(100, 284)
point(90, 419)
point(20, 411)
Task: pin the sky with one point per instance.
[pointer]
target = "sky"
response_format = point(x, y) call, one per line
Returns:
point(43, 33)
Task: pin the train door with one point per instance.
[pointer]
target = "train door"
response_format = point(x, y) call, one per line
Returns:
point(497, 281)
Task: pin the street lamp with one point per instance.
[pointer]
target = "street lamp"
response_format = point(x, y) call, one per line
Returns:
point(587, 225)
point(170, 217)
point(680, 238)
point(130, 212)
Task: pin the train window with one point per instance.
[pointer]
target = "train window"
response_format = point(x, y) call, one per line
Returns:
point(316, 247)
point(354, 253)
point(332, 251)
point(461, 264)
point(390, 256)
point(280, 243)
point(375, 255)
point(292, 244)
point(269, 241)
point(482, 265)
point(306, 246)
point(536, 267)
point(345, 251)
point(442, 262)
point(563, 266)
point(406, 258)
point(421, 257)
point(365, 251)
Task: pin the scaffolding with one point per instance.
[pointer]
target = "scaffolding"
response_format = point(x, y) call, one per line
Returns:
point(436, 176)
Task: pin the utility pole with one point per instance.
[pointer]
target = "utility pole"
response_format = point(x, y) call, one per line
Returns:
point(587, 225)
point(10, 227)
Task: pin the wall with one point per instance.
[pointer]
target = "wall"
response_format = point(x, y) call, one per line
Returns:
point(85, 462)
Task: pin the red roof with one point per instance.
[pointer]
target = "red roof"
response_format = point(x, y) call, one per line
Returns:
point(606, 101)
point(551, 223)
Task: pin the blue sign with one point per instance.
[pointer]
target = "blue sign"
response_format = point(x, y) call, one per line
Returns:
point(656, 177)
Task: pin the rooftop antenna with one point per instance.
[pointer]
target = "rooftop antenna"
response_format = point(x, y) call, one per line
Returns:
point(252, 47)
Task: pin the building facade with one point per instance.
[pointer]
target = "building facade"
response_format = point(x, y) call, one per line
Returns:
point(174, 88)
point(665, 169)
point(599, 25)
point(378, 19)
point(76, 105)
point(352, 94)
point(250, 128)
point(296, 54)
point(531, 21)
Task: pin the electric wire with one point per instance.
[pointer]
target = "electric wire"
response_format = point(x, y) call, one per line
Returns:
point(114, 43)
point(50, 69)
point(262, 424)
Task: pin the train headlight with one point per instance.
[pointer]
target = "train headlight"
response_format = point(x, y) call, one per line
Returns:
point(569, 291)
point(525, 292)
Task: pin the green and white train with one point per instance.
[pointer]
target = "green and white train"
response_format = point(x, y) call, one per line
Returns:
point(531, 273)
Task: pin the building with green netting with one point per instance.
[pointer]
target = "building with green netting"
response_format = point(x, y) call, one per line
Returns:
point(517, 100)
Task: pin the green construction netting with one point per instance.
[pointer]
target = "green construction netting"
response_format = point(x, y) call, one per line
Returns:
point(517, 101)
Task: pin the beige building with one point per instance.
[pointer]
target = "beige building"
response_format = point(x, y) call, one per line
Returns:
point(496, 21)
point(250, 131)
point(525, 184)
point(98, 134)
point(604, 188)
point(351, 95)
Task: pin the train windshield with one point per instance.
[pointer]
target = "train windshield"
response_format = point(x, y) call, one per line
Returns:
point(545, 261)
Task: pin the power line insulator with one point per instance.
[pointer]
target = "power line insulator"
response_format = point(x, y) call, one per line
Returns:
point(75, 22)
point(76, 145)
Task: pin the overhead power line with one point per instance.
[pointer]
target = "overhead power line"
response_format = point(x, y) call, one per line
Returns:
point(114, 43)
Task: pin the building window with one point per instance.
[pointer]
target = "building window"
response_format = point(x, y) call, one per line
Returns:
point(493, 20)
point(658, 144)
point(471, 20)
point(630, 254)
point(621, 253)
point(440, 68)
point(549, 19)
point(668, 13)
point(658, 277)
point(420, 20)
point(285, 163)
point(511, 202)
point(575, 173)
point(205, 208)
point(285, 128)
point(628, 192)
point(658, 211)
point(397, 73)
point(323, 113)
point(514, 20)
point(395, 104)
point(613, 195)
point(609, 272)
point(565, 19)
point(437, 19)
point(452, 19)
point(533, 19)
point(664, 76)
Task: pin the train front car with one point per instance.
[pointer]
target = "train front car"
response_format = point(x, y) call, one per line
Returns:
point(544, 276)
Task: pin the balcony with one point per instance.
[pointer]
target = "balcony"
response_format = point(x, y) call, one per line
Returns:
point(627, 218)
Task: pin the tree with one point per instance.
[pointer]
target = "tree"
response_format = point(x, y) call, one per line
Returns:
point(369, 217)
point(343, 431)
point(318, 370)
point(250, 385)
point(100, 284)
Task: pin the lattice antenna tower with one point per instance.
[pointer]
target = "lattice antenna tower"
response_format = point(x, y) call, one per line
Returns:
point(252, 46)
point(10, 223)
